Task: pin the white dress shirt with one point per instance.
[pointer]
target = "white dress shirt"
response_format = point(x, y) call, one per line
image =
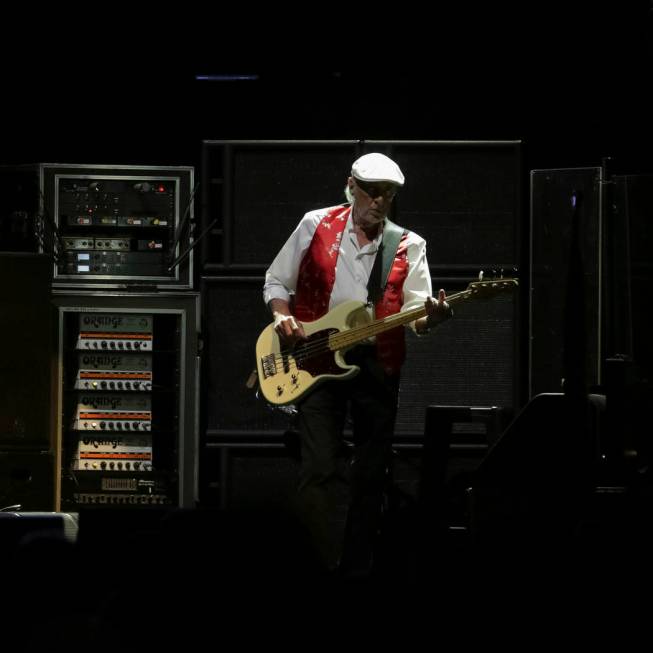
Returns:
point(353, 266)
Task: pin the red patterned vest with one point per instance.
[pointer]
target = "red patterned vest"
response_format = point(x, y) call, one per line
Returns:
point(317, 274)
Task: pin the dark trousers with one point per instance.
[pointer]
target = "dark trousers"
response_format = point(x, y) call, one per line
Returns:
point(370, 398)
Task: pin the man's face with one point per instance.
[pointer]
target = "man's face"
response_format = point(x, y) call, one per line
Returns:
point(373, 200)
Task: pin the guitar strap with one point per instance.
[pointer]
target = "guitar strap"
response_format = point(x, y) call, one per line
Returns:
point(385, 257)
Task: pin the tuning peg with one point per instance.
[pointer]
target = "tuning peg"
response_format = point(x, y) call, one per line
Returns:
point(480, 275)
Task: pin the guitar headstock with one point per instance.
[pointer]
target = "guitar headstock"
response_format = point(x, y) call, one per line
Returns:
point(491, 287)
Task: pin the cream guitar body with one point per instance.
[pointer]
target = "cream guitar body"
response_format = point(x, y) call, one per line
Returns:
point(285, 376)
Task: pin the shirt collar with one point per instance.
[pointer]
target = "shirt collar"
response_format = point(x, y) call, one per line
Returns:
point(374, 245)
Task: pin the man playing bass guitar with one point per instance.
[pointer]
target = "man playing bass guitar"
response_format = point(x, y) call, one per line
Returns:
point(335, 255)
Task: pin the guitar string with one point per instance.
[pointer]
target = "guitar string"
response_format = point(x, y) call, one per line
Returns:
point(343, 338)
point(322, 345)
point(290, 358)
point(350, 336)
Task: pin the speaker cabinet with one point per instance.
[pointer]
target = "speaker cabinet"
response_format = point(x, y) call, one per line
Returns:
point(551, 235)
point(27, 480)
point(470, 360)
point(633, 207)
point(264, 475)
point(234, 316)
point(255, 192)
point(26, 361)
point(254, 476)
point(464, 197)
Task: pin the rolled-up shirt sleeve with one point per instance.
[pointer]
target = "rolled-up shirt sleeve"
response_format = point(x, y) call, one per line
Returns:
point(417, 286)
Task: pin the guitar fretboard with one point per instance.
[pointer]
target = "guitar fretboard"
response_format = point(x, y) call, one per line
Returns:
point(352, 336)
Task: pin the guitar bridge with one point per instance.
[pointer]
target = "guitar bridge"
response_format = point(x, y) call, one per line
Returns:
point(268, 365)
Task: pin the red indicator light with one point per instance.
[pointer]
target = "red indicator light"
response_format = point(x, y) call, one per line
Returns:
point(161, 189)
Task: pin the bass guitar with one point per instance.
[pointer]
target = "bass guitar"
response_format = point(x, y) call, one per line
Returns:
point(285, 375)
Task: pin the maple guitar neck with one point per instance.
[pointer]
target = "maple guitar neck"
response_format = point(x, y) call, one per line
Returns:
point(479, 289)
point(350, 337)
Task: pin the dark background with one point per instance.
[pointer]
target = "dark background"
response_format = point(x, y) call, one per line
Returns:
point(119, 87)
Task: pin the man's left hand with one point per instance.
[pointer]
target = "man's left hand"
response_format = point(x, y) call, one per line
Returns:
point(437, 310)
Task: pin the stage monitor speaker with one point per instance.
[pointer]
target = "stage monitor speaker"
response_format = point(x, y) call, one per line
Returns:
point(544, 438)
point(456, 439)
point(18, 528)
point(470, 360)
point(26, 363)
point(551, 231)
point(537, 474)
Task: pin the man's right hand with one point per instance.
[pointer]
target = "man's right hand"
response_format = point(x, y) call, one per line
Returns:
point(289, 330)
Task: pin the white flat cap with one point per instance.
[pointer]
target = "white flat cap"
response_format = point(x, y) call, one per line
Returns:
point(377, 167)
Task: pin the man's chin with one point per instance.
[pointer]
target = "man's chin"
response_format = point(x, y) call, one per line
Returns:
point(373, 218)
